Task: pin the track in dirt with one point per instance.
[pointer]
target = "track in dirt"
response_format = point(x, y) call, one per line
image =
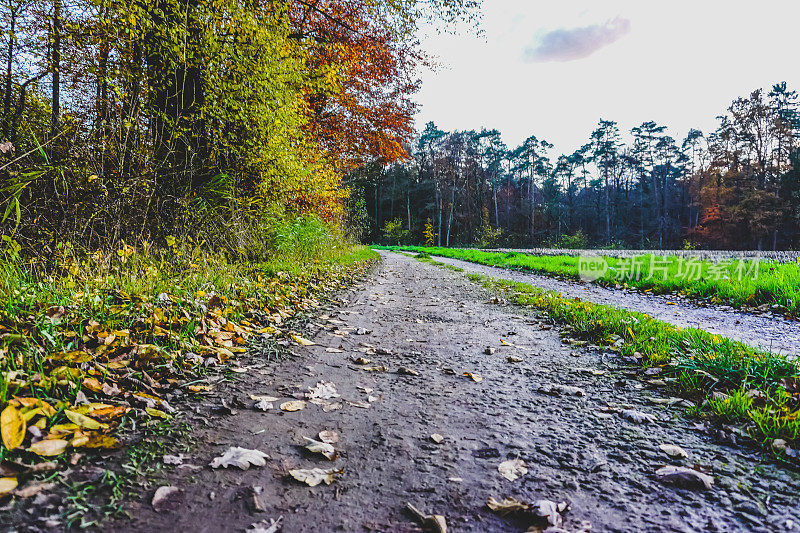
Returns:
point(577, 449)
point(774, 333)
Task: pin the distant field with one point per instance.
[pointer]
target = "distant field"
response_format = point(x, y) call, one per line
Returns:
point(714, 277)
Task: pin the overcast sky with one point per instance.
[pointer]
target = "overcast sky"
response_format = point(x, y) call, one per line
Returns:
point(554, 68)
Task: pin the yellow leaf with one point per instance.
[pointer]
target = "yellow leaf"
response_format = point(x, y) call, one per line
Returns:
point(199, 388)
point(48, 448)
point(98, 440)
point(82, 420)
point(12, 427)
point(294, 405)
point(302, 341)
point(156, 413)
point(474, 377)
point(7, 484)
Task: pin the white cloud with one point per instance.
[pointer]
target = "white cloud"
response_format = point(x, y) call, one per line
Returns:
point(569, 44)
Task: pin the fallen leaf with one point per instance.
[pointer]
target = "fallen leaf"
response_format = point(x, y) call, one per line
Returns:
point(674, 451)
point(334, 350)
point(474, 376)
point(294, 405)
point(508, 505)
point(550, 511)
point(684, 477)
point(361, 361)
point(263, 405)
point(433, 523)
point(167, 499)
point(7, 484)
point(561, 390)
point(32, 489)
point(157, 413)
point(48, 448)
point(331, 406)
point(314, 476)
point(637, 417)
point(512, 469)
point(358, 403)
point(374, 368)
point(322, 448)
point(323, 390)
point(240, 457)
point(257, 398)
point(12, 427)
point(173, 459)
point(264, 526)
point(200, 388)
point(302, 341)
point(514, 359)
point(407, 371)
point(82, 420)
point(329, 436)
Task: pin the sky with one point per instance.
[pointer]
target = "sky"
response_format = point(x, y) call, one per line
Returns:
point(555, 68)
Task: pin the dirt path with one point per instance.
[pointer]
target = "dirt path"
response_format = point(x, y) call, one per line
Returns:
point(430, 320)
point(774, 333)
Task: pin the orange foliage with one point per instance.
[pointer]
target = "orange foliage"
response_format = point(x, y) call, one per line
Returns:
point(362, 109)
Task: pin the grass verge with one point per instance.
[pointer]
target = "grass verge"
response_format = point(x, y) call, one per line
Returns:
point(94, 345)
point(729, 381)
point(746, 284)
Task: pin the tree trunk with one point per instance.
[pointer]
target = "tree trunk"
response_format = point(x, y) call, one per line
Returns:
point(56, 69)
point(12, 39)
point(450, 216)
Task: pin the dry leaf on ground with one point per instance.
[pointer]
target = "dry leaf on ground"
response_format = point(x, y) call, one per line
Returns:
point(508, 505)
point(240, 457)
point(512, 469)
point(294, 405)
point(266, 526)
point(474, 376)
point(167, 499)
point(314, 476)
point(49, 448)
point(323, 390)
point(673, 451)
point(302, 341)
point(684, 477)
point(12, 427)
point(637, 417)
point(322, 448)
point(7, 484)
point(329, 436)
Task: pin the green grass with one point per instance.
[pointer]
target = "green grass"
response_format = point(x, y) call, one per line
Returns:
point(729, 381)
point(131, 317)
point(775, 284)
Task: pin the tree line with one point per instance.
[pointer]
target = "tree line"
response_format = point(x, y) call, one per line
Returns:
point(736, 187)
point(135, 120)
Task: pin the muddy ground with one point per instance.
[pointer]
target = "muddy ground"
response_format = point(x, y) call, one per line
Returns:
point(578, 449)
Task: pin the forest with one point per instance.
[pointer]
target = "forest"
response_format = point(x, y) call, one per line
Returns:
point(130, 122)
point(734, 188)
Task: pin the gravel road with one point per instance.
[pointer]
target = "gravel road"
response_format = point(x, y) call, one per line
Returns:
point(578, 446)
